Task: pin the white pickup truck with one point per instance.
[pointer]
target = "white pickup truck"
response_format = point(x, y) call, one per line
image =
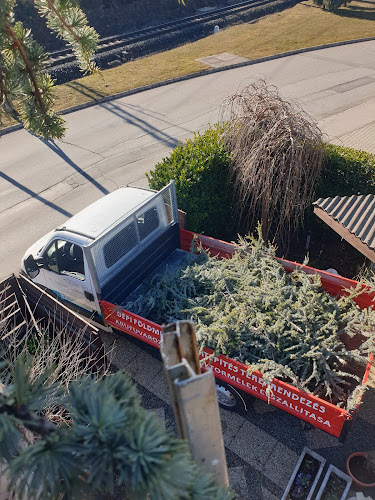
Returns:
point(107, 249)
point(99, 257)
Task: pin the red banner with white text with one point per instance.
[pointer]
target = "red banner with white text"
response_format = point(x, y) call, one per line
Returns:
point(305, 406)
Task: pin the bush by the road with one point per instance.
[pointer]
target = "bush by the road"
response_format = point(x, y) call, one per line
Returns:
point(200, 169)
point(346, 172)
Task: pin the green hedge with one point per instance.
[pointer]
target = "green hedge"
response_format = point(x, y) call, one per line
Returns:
point(200, 169)
point(346, 172)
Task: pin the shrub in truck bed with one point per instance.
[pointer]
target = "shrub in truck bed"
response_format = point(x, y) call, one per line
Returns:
point(248, 308)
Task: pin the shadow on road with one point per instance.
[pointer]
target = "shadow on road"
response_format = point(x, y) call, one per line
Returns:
point(154, 132)
point(84, 90)
point(357, 11)
point(35, 195)
point(56, 149)
point(129, 117)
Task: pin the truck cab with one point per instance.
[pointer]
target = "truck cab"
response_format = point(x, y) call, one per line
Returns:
point(101, 247)
point(60, 266)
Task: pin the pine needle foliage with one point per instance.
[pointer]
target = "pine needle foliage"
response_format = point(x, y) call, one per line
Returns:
point(26, 89)
point(110, 441)
point(67, 20)
point(248, 308)
point(277, 155)
point(66, 434)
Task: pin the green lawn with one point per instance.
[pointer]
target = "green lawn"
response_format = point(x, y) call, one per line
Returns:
point(304, 25)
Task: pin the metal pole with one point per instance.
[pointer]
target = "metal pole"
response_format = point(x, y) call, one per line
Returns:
point(194, 399)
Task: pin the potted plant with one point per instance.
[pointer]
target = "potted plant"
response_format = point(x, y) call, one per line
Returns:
point(305, 476)
point(335, 486)
point(361, 468)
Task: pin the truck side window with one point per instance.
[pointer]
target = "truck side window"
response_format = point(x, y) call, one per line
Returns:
point(63, 257)
point(51, 257)
point(118, 246)
point(147, 222)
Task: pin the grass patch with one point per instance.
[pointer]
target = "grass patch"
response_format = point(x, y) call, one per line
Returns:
point(304, 25)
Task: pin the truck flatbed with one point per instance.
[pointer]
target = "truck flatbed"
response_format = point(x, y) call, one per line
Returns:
point(308, 407)
point(178, 259)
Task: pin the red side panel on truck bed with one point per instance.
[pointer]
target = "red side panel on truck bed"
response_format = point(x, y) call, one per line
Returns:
point(305, 406)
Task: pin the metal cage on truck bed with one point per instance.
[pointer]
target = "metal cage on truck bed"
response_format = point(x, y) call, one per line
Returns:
point(310, 408)
point(123, 255)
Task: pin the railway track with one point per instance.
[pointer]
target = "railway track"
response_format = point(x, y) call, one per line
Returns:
point(173, 32)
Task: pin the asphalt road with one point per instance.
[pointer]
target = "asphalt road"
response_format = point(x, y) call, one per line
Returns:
point(115, 143)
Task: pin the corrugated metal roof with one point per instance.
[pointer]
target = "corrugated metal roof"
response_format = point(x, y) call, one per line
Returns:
point(355, 213)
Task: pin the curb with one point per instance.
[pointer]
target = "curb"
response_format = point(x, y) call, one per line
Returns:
point(190, 76)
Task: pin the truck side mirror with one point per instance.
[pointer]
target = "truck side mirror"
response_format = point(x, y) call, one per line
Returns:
point(31, 267)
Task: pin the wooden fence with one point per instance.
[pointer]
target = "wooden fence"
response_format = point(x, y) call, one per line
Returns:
point(23, 304)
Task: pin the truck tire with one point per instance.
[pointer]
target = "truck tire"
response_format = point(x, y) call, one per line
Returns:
point(228, 397)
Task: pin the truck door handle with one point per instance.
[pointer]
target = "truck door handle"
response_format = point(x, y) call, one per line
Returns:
point(89, 296)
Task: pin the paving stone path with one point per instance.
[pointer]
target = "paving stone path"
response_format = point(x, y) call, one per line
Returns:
point(263, 443)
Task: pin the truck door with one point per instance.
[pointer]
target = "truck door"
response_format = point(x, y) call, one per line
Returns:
point(67, 275)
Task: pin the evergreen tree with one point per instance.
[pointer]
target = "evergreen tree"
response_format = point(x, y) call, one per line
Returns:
point(109, 440)
point(26, 89)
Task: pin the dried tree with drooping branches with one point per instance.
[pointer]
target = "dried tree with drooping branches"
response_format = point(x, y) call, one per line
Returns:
point(277, 152)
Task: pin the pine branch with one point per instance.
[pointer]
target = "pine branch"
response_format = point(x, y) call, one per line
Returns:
point(26, 90)
point(33, 422)
point(28, 66)
point(249, 309)
point(70, 23)
point(111, 441)
point(67, 26)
